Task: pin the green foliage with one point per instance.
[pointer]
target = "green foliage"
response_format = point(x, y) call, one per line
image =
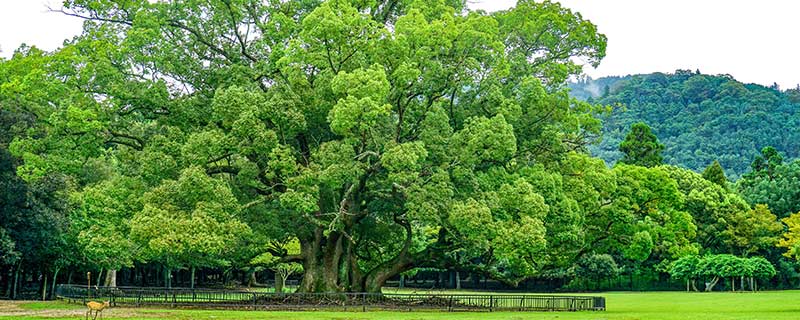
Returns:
point(766, 163)
point(699, 118)
point(714, 267)
point(761, 268)
point(774, 184)
point(686, 268)
point(752, 230)
point(382, 136)
point(650, 201)
point(725, 265)
point(597, 266)
point(721, 265)
point(100, 217)
point(715, 174)
point(188, 222)
point(791, 238)
point(641, 147)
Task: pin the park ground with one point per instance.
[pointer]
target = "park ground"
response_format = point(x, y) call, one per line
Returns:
point(621, 305)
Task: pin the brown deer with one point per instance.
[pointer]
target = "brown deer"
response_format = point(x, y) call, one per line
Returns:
point(97, 307)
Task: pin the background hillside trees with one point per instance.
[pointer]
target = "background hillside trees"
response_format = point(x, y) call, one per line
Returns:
point(699, 118)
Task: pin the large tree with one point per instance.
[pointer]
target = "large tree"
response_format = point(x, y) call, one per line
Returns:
point(382, 135)
point(773, 183)
point(641, 147)
point(715, 174)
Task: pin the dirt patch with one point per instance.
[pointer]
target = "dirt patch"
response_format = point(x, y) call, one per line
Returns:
point(13, 308)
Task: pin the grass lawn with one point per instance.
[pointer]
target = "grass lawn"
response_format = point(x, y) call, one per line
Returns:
point(621, 305)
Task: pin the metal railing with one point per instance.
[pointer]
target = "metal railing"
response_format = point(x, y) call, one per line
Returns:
point(241, 299)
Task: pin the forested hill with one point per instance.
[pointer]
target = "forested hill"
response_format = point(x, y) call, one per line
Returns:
point(699, 118)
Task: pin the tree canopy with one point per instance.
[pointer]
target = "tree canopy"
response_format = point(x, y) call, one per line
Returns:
point(382, 135)
point(641, 147)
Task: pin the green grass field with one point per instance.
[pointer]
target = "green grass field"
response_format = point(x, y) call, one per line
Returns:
point(621, 305)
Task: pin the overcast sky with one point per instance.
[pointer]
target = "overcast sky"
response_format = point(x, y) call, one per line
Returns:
point(755, 41)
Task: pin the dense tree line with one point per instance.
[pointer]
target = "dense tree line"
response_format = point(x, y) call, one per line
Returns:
point(699, 118)
point(349, 142)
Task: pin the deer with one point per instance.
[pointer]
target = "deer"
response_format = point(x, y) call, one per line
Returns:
point(97, 307)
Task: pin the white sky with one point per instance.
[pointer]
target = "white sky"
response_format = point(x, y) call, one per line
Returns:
point(755, 41)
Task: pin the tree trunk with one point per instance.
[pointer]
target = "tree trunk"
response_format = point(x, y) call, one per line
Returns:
point(687, 285)
point(13, 294)
point(402, 281)
point(710, 285)
point(111, 278)
point(55, 277)
point(741, 283)
point(324, 256)
point(99, 277)
point(278, 283)
point(44, 286)
point(10, 275)
point(252, 280)
point(451, 279)
point(694, 287)
point(167, 277)
point(192, 280)
point(321, 261)
point(733, 284)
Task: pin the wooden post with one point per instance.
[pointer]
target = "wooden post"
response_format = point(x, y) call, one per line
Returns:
point(450, 304)
point(44, 287)
point(88, 285)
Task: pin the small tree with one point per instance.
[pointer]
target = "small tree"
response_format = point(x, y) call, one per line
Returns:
point(791, 238)
point(759, 268)
point(641, 147)
point(764, 165)
point(597, 267)
point(749, 231)
point(736, 267)
point(716, 267)
point(686, 268)
point(716, 174)
point(726, 265)
point(284, 270)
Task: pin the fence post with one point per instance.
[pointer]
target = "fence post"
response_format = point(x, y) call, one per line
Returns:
point(450, 304)
point(364, 302)
point(491, 302)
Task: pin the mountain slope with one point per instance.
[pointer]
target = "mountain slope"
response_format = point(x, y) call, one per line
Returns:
point(699, 118)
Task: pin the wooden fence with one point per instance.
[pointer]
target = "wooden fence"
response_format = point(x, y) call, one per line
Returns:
point(240, 299)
